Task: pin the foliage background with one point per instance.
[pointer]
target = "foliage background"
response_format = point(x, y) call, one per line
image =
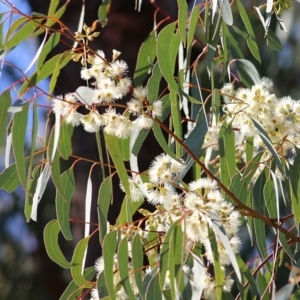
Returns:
point(26, 272)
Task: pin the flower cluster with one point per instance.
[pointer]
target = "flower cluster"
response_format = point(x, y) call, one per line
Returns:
point(192, 206)
point(280, 119)
point(110, 85)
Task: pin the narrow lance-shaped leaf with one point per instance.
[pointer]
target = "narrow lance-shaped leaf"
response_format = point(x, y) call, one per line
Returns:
point(51, 232)
point(161, 140)
point(167, 48)
point(251, 41)
point(18, 141)
point(259, 206)
point(77, 262)
point(65, 140)
point(153, 83)
point(123, 267)
point(40, 189)
point(73, 291)
point(219, 273)
point(182, 19)
point(137, 263)
point(164, 255)
point(63, 204)
point(103, 11)
point(118, 161)
point(9, 179)
point(50, 44)
point(216, 223)
point(227, 153)
point(268, 143)
point(22, 34)
point(109, 250)
point(63, 60)
point(176, 119)
point(145, 59)
point(226, 12)
point(104, 198)
point(294, 179)
point(153, 291)
point(31, 188)
point(5, 102)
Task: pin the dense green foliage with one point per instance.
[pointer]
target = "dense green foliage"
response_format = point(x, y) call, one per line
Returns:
point(216, 119)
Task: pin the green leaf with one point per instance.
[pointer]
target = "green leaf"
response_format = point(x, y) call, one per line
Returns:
point(247, 70)
point(269, 196)
point(294, 179)
point(123, 267)
point(59, 60)
point(104, 198)
point(167, 48)
point(192, 25)
point(31, 188)
point(124, 147)
point(9, 179)
point(176, 262)
point(251, 41)
point(34, 132)
point(116, 156)
point(262, 285)
point(259, 206)
point(17, 24)
point(153, 291)
point(128, 209)
point(77, 260)
point(153, 83)
point(51, 232)
point(212, 39)
point(55, 165)
point(22, 33)
point(63, 60)
point(161, 140)
point(5, 102)
point(146, 57)
point(52, 7)
point(176, 119)
point(18, 142)
point(182, 19)
point(63, 204)
point(101, 286)
point(226, 50)
point(137, 263)
point(268, 143)
point(273, 41)
point(165, 254)
point(226, 12)
point(247, 274)
point(227, 153)
point(103, 11)
point(65, 140)
point(50, 44)
point(139, 141)
point(73, 291)
point(249, 148)
point(109, 250)
point(219, 273)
